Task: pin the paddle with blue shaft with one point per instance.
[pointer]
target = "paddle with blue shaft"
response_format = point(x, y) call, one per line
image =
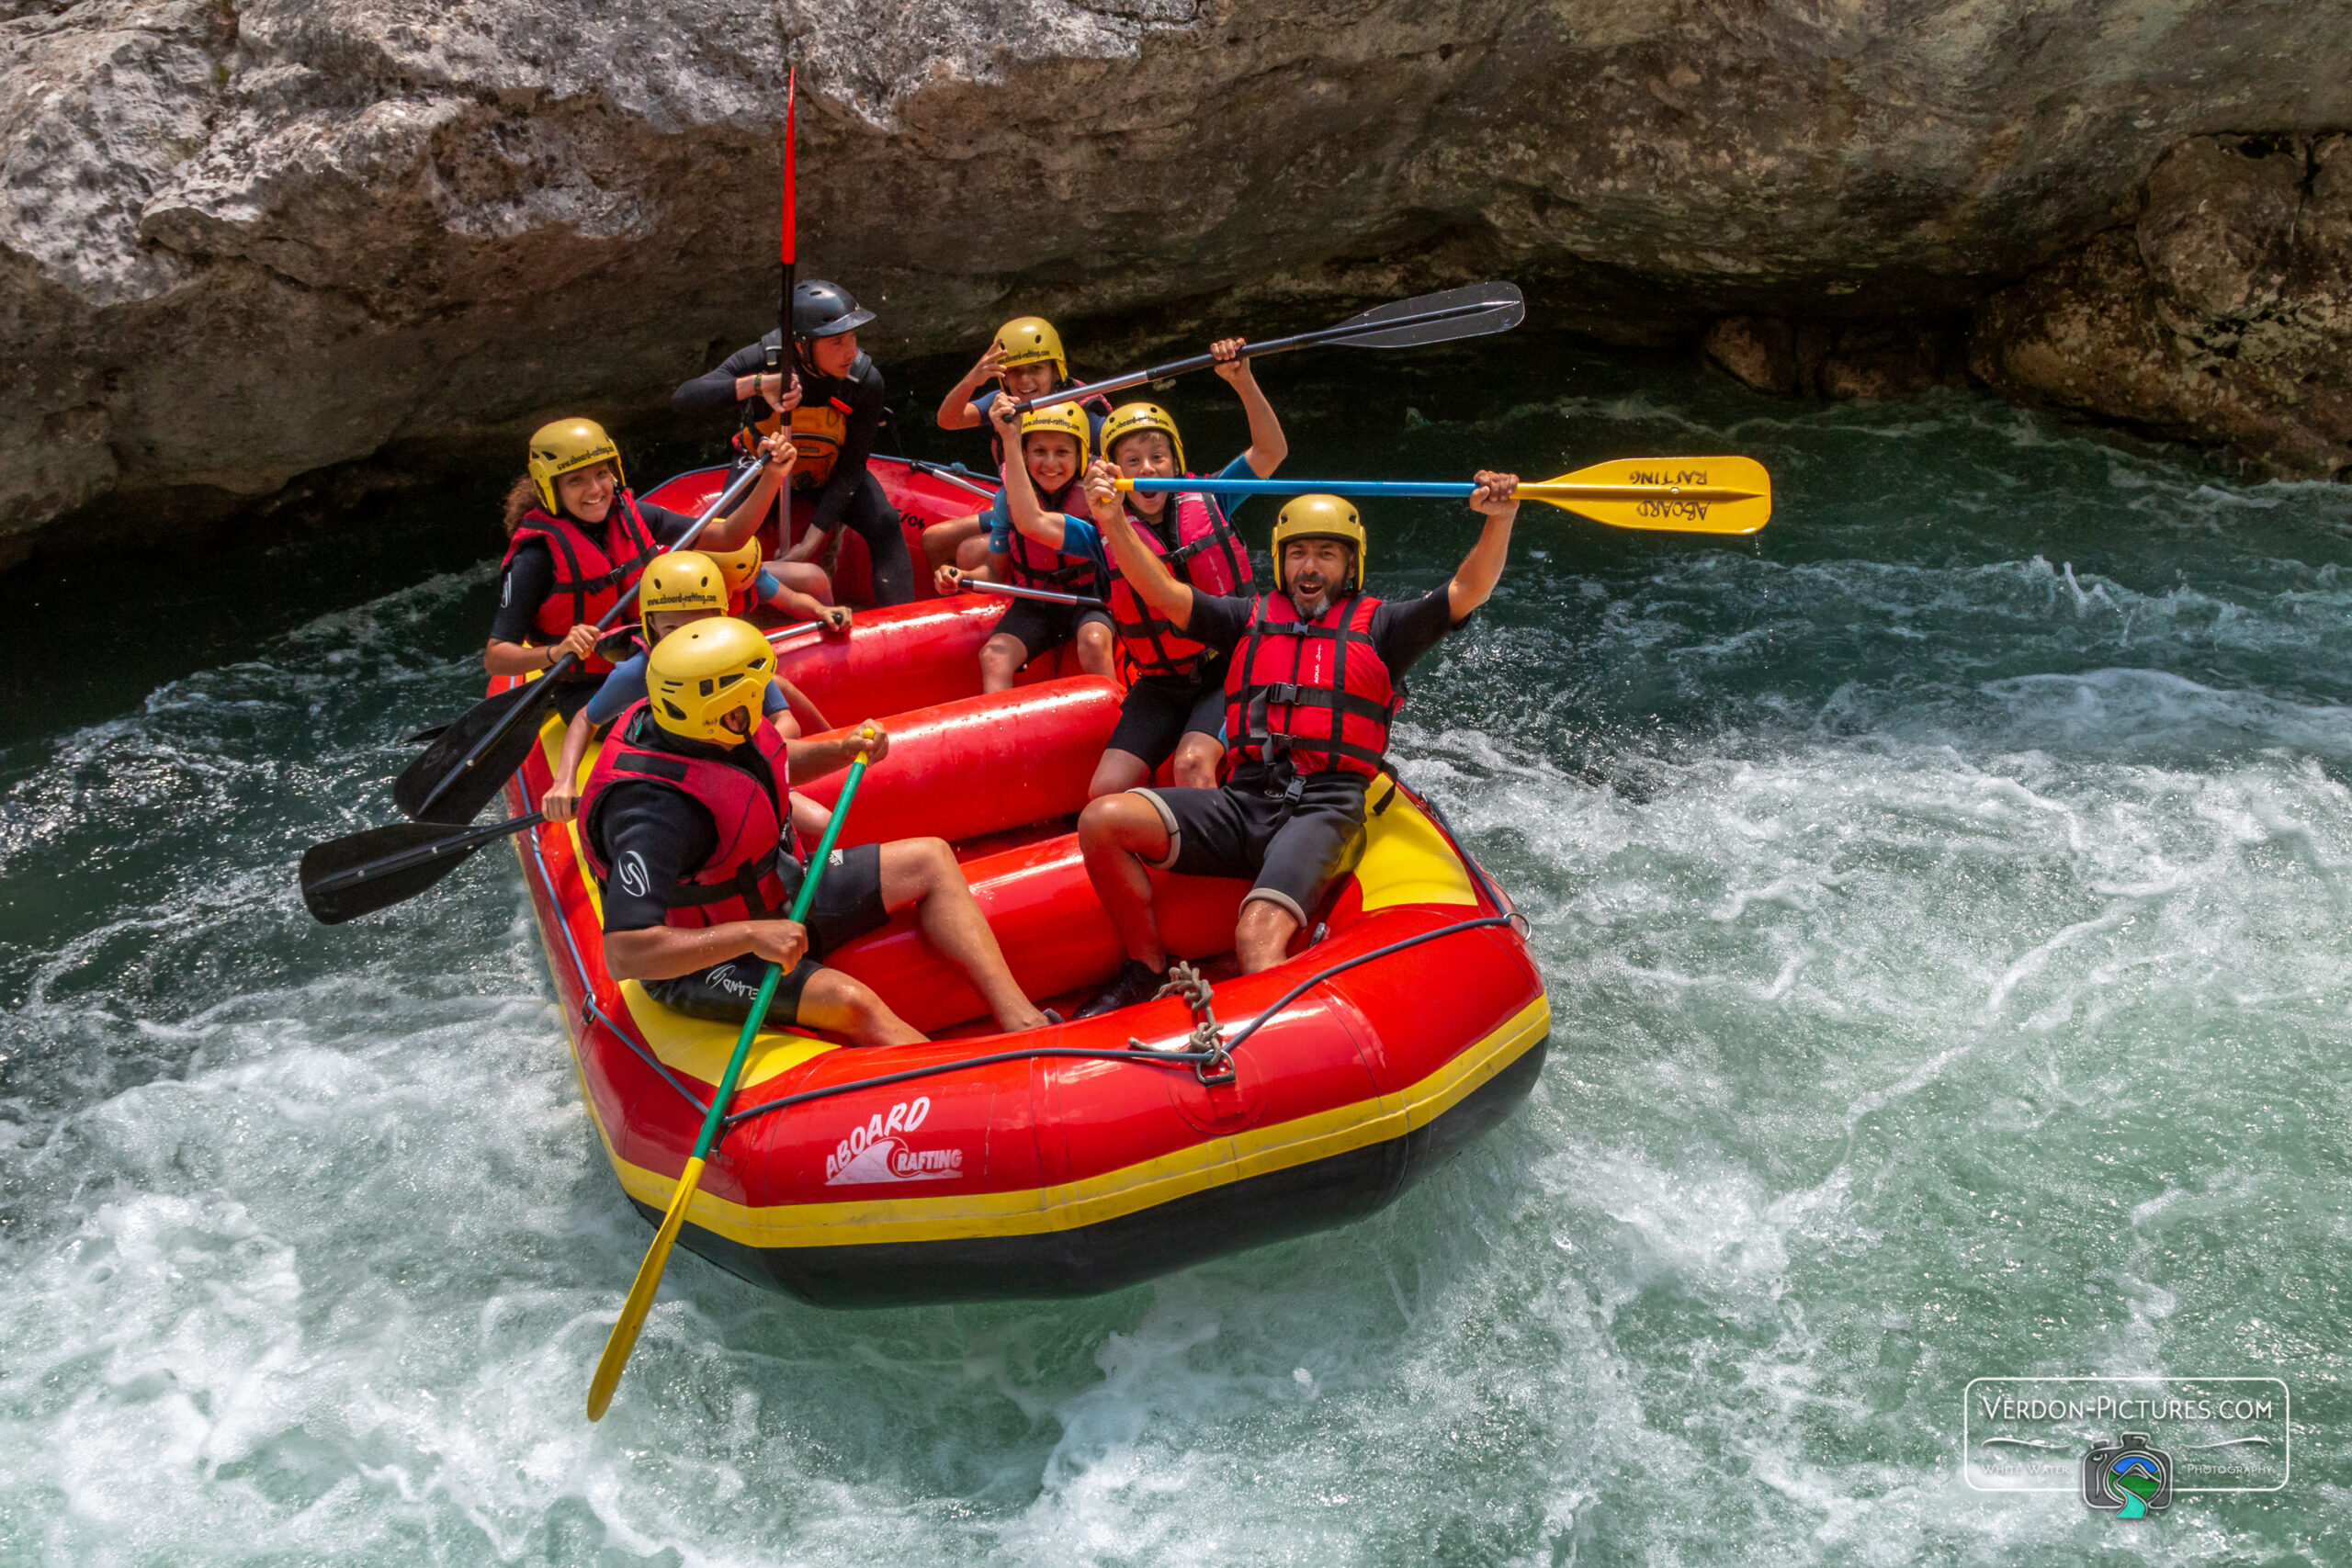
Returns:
point(470, 761)
point(622, 1338)
point(1480, 309)
point(971, 585)
point(1679, 495)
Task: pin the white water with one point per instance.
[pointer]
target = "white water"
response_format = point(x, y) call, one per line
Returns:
point(1947, 949)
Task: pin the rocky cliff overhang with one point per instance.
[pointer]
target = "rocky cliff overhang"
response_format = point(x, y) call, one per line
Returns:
point(245, 241)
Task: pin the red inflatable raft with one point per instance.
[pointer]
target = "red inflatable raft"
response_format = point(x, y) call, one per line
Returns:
point(1076, 1159)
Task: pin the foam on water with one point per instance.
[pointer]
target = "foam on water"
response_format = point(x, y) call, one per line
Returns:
point(1943, 902)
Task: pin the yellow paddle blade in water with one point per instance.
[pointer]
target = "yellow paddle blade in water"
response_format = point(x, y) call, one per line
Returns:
point(623, 1339)
point(1682, 495)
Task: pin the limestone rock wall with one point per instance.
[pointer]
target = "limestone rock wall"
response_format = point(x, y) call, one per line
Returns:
point(2222, 312)
point(247, 241)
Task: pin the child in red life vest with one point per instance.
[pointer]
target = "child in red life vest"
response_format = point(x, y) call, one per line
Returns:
point(1175, 705)
point(1034, 542)
point(577, 540)
point(1025, 357)
point(677, 590)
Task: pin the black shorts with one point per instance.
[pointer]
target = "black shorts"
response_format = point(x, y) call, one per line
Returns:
point(848, 904)
point(1295, 853)
point(573, 693)
point(1040, 627)
point(1159, 713)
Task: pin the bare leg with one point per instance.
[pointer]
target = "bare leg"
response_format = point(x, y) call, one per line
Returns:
point(1117, 774)
point(972, 554)
point(1117, 833)
point(924, 871)
point(941, 540)
point(1262, 936)
point(838, 1005)
point(1094, 649)
point(809, 819)
point(1196, 761)
point(804, 577)
point(1002, 658)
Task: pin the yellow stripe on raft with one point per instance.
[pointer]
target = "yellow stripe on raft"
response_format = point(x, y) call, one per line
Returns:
point(1141, 1186)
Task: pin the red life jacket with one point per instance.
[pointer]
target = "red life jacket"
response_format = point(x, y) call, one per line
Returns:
point(1316, 691)
point(1209, 555)
point(1036, 566)
point(590, 574)
point(743, 879)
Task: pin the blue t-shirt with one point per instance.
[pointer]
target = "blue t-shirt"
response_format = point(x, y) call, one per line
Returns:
point(625, 686)
point(1079, 537)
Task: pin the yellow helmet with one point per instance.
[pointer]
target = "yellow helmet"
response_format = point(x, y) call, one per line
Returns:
point(742, 564)
point(1068, 418)
point(1129, 419)
point(1029, 341)
point(567, 447)
point(700, 673)
point(1318, 517)
point(682, 579)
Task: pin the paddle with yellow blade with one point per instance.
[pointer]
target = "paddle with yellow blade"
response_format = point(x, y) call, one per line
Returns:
point(1681, 495)
point(622, 1338)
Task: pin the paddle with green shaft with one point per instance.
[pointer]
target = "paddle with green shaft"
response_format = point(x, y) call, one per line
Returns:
point(1678, 495)
point(471, 759)
point(622, 1338)
point(1474, 311)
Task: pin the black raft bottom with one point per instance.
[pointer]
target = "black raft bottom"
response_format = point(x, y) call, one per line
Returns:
point(1117, 1253)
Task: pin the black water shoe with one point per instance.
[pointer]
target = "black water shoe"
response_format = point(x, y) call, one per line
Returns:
point(1135, 982)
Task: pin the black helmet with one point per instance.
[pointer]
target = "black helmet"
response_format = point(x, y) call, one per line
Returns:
point(825, 309)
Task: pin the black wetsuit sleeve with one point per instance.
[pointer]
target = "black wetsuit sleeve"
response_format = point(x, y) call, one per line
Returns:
point(857, 444)
point(528, 579)
point(1402, 631)
point(712, 393)
point(666, 526)
point(1220, 620)
point(651, 834)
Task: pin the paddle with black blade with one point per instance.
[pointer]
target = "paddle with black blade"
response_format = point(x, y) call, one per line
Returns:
point(1474, 311)
point(1679, 495)
point(362, 872)
point(625, 1327)
point(471, 759)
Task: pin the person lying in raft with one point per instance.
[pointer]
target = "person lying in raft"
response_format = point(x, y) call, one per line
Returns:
point(1035, 543)
point(752, 584)
point(576, 540)
point(1026, 361)
point(677, 590)
point(834, 414)
point(683, 821)
point(1175, 704)
point(1313, 681)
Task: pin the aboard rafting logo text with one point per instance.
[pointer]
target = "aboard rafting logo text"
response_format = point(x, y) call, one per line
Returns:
point(879, 1152)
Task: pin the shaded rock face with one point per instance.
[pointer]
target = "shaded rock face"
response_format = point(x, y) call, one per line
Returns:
point(2223, 313)
point(245, 241)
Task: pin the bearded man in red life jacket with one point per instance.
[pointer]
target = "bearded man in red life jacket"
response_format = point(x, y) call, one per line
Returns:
point(1312, 680)
point(685, 825)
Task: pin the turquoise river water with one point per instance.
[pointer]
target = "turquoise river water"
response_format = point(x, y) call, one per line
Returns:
point(1944, 903)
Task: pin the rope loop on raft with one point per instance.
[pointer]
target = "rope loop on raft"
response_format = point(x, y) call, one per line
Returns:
point(1214, 1064)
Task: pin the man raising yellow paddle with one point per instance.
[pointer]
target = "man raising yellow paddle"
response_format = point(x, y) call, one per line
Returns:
point(1311, 685)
